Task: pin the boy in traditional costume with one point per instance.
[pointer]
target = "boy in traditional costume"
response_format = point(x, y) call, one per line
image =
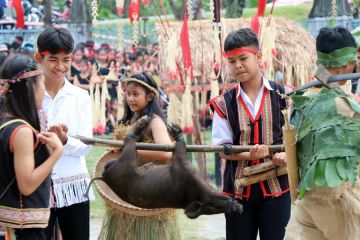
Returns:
point(328, 125)
point(68, 111)
point(250, 114)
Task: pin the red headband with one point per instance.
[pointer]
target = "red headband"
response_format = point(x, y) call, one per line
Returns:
point(237, 51)
point(22, 76)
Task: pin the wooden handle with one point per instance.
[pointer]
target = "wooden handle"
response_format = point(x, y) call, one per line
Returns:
point(262, 167)
point(243, 182)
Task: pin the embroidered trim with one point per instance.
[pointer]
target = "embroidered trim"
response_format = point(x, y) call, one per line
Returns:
point(24, 218)
point(70, 190)
point(68, 179)
point(12, 136)
point(219, 105)
point(245, 117)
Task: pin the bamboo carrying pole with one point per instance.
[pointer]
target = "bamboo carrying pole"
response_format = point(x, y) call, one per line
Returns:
point(291, 156)
point(171, 147)
point(246, 181)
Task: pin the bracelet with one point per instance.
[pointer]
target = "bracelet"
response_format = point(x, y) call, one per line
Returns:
point(228, 149)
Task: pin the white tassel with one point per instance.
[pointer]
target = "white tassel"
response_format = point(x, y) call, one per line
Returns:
point(172, 52)
point(104, 96)
point(187, 111)
point(174, 112)
point(121, 108)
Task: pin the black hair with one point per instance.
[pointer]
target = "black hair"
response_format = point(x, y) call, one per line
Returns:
point(244, 37)
point(331, 39)
point(152, 107)
point(79, 48)
point(55, 40)
point(20, 99)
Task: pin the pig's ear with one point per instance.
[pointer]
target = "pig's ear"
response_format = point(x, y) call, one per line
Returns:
point(193, 209)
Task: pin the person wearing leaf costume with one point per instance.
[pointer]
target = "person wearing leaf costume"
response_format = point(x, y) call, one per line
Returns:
point(328, 132)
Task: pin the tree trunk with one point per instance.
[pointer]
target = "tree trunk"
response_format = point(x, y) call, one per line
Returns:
point(80, 12)
point(47, 13)
point(80, 17)
point(126, 8)
point(234, 8)
point(178, 12)
point(323, 8)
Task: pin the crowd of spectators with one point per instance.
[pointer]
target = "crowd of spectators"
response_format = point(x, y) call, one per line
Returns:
point(91, 58)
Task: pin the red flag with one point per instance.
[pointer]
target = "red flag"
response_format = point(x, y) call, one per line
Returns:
point(20, 22)
point(255, 25)
point(134, 10)
point(261, 8)
point(185, 45)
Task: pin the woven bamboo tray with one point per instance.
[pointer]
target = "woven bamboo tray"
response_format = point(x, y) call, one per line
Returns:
point(113, 201)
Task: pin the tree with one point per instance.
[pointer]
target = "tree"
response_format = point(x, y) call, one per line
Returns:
point(178, 9)
point(80, 17)
point(323, 8)
point(80, 12)
point(47, 12)
point(234, 8)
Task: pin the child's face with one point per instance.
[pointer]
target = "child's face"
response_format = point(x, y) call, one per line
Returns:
point(102, 56)
point(136, 97)
point(39, 90)
point(111, 55)
point(84, 67)
point(119, 58)
point(56, 66)
point(244, 66)
point(78, 55)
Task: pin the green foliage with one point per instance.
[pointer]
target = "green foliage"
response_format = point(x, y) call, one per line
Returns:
point(328, 152)
point(251, 3)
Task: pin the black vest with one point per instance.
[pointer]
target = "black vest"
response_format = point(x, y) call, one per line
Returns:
point(18, 210)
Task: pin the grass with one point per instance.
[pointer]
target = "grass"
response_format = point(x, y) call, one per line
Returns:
point(97, 208)
point(296, 13)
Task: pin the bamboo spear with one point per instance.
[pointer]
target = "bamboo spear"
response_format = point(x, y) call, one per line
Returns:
point(171, 147)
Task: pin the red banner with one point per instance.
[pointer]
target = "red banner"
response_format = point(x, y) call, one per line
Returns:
point(20, 22)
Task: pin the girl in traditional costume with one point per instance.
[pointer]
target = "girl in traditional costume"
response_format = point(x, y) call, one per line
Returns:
point(328, 125)
point(27, 156)
point(141, 99)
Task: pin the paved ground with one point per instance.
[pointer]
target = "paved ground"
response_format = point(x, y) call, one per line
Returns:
point(203, 228)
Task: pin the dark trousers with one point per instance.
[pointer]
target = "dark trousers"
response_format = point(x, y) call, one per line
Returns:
point(74, 222)
point(268, 216)
point(30, 234)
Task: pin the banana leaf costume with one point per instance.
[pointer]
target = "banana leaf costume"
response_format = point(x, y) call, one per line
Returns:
point(328, 159)
point(328, 142)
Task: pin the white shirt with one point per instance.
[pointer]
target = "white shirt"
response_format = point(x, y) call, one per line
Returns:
point(72, 107)
point(221, 129)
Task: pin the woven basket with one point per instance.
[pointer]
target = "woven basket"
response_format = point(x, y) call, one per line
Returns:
point(111, 199)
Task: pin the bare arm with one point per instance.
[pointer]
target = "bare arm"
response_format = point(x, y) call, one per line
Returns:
point(77, 83)
point(28, 177)
point(161, 136)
